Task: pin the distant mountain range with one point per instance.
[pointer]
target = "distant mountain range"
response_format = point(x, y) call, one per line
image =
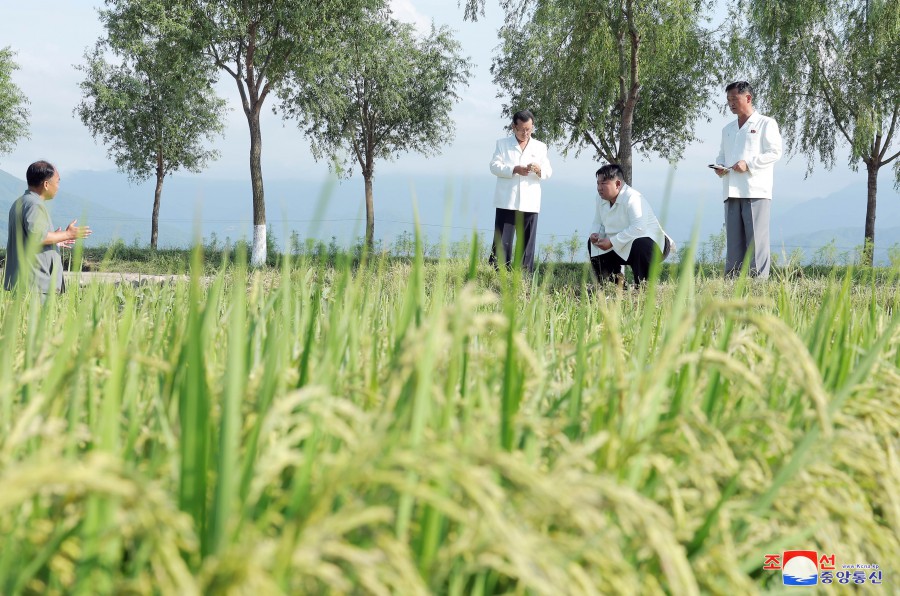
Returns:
point(446, 207)
point(839, 219)
point(107, 222)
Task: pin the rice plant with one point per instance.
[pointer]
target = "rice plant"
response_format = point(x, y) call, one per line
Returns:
point(403, 427)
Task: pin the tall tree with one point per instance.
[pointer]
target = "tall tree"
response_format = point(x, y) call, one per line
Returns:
point(257, 43)
point(609, 75)
point(13, 113)
point(830, 71)
point(381, 90)
point(153, 108)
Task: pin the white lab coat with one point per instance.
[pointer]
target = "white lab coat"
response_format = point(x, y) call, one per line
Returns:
point(757, 142)
point(519, 193)
point(629, 219)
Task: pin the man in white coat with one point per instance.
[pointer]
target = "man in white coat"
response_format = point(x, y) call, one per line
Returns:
point(625, 229)
point(750, 147)
point(520, 164)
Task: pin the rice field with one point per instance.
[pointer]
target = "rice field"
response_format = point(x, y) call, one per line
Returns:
point(403, 427)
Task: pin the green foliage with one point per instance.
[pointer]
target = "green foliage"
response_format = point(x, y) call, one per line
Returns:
point(258, 43)
point(153, 107)
point(379, 90)
point(13, 113)
point(830, 74)
point(712, 252)
point(789, 262)
point(329, 428)
point(826, 256)
point(610, 76)
point(894, 256)
point(375, 91)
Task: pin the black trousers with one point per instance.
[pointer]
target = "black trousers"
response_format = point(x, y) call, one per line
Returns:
point(642, 251)
point(505, 223)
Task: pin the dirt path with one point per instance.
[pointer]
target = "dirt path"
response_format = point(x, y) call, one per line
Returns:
point(89, 277)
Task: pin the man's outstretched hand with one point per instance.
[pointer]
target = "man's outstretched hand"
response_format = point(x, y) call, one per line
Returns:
point(66, 238)
point(76, 232)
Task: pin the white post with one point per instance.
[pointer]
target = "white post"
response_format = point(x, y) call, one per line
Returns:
point(258, 255)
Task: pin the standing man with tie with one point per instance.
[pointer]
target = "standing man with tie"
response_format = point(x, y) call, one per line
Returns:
point(750, 147)
point(520, 164)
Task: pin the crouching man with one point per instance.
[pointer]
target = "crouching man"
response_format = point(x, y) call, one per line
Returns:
point(625, 229)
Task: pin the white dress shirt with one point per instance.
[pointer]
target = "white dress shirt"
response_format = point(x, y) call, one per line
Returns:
point(630, 218)
point(757, 142)
point(519, 193)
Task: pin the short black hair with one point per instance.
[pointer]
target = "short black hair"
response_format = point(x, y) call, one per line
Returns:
point(522, 116)
point(611, 171)
point(741, 87)
point(39, 172)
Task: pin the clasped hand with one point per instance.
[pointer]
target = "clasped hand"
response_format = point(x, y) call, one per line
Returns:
point(601, 243)
point(525, 170)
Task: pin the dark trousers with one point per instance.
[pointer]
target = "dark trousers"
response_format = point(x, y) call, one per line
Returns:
point(505, 223)
point(642, 251)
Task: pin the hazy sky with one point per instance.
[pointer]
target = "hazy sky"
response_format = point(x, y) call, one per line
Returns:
point(51, 36)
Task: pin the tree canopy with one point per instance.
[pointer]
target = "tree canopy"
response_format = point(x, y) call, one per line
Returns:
point(381, 90)
point(611, 76)
point(830, 73)
point(258, 43)
point(151, 106)
point(13, 111)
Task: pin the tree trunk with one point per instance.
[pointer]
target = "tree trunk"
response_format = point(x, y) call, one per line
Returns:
point(625, 135)
point(370, 211)
point(154, 220)
point(868, 256)
point(630, 90)
point(258, 254)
